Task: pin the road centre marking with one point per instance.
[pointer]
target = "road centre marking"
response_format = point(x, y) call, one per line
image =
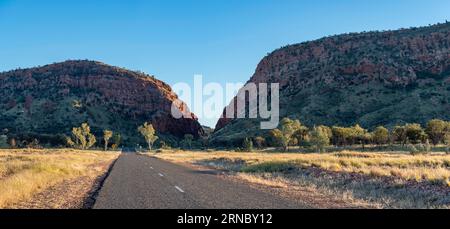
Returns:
point(179, 189)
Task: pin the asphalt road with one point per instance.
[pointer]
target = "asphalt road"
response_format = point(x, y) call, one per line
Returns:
point(143, 182)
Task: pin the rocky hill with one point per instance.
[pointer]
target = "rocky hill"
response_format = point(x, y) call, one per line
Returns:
point(375, 78)
point(46, 102)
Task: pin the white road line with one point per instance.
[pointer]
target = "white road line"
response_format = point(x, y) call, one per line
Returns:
point(179, 189)
point(161, 175)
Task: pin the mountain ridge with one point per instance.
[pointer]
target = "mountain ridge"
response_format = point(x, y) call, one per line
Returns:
point(371, 78)
point(52, 99)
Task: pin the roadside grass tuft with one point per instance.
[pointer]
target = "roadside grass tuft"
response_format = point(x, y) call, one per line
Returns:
point(269, 167)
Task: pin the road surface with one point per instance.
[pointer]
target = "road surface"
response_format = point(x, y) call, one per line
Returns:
point(143, 182)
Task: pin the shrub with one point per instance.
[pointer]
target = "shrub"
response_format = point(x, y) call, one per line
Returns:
point(34, 144)
point(427, 146)
point(260, 142)
point(420, 148)
point(114, 146)
point(163, 145)
point(412, 149)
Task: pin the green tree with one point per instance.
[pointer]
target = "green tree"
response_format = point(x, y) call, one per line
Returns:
point(399, 135)
point(380, 135)
point(340, 135)
point(285, 134)
point(91, 141)
point(447, 139)
point(320, 138)
point(117, 140)
point(81, 137)
point(80, 140)
point(436, 130)
point(360, 135)
point(447, 143)
point(247, 145)
point(301, 134)
point(148, 132)
point(275, 136)
point(415, 133)
point(107, 135)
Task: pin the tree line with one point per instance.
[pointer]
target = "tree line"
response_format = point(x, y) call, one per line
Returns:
point(294, 133)
point(82, 138)
point(291, 132)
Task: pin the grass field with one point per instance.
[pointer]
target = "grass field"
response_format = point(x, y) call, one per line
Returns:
point(24, 173)
point(362, 179)
point(388, 180)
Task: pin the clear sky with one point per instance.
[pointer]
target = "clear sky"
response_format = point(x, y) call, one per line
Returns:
point(174, 39)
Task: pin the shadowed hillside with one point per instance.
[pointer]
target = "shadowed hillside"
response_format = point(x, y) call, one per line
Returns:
point(46, 102)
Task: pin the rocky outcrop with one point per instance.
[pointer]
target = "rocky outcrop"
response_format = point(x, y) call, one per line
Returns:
point(375, 78)
point(54, 98)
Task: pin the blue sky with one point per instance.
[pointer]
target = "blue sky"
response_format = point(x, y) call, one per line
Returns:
point(174, 39)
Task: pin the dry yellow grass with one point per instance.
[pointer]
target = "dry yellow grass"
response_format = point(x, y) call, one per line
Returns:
point(384, 182)
point(433, 168)
point(24, 173)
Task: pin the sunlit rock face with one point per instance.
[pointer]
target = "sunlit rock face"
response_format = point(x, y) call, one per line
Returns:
point(376, 78)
